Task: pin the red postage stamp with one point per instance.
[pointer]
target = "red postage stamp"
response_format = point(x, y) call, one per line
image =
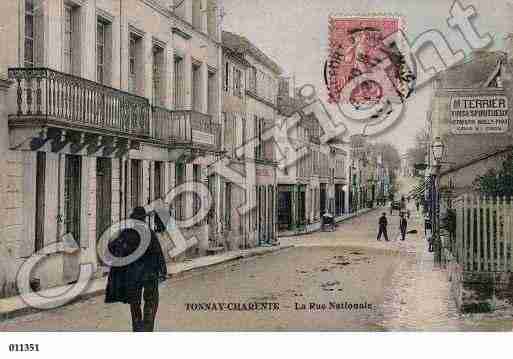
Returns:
point(365, 63)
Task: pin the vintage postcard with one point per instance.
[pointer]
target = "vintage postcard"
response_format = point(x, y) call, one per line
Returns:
point(229, 165)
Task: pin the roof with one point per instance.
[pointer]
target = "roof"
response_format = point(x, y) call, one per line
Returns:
point(472, 72)
point(242, 45)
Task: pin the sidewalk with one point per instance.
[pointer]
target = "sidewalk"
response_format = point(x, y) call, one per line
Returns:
point(294, 233)
point(15, 306)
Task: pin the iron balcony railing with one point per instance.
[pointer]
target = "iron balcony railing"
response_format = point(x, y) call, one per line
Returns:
point(46, 94)
point(185, 127)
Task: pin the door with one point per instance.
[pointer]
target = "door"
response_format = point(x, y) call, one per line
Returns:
point(103, 195)
point(284, 209)
point(40, 200)
point(322, 199)
point(72, 209)
point(135, 181)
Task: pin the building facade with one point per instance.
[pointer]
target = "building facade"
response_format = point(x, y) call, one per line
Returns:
point(250, 89)
point(110, 104)
point(316, 183)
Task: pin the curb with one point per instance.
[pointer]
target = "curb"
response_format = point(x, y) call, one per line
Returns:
point(362, 212)
point(100, 283)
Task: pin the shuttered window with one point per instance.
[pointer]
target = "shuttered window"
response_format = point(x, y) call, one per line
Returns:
point(179, 90)
point(158, 67)
point(133, 63)
point(29, 32)
point(70, 47)
point(196, 88)
point(103, 51)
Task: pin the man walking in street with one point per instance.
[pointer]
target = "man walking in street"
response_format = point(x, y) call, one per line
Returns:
point(403, 224)
point(382, 226)
point(127, 283)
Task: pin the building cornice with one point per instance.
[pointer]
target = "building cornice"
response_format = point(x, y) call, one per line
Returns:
point(167, 12)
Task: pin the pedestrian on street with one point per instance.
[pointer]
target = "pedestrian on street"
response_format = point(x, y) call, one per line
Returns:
point(382, 226)
point(403, 225)
point(417, 204)
point(126, 284)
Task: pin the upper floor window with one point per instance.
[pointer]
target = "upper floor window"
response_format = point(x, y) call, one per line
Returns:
point(101, 34)
point(158, 62)
point(133, 62)
point(197, 12)
point(71, 58)
point(29, 32)
point(179, 83)
point(252, 79)
point(196, 88)
point(237, 83)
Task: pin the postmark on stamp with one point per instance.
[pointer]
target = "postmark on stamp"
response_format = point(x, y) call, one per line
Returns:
point(365, 65)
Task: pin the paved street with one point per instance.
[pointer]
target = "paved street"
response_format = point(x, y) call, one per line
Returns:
point(395, 281)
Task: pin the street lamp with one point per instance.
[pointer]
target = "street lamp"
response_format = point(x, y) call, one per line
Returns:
point(437, 147)
point(438, 150)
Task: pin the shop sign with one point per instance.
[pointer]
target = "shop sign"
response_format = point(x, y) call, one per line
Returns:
point(478, 114)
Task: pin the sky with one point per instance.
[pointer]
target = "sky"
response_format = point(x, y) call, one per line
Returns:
point(294, 33)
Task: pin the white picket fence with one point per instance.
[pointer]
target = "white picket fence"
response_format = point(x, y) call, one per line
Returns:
point(484, 233)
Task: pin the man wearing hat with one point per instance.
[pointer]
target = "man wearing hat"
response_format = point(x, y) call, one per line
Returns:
point(127, 283)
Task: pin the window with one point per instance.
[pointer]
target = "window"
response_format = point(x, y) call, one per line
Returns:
point(29, 32)
point(197, 12)
point(212, 91)
point(102, 53)
point(196, 88)
point(158, 61)
point(70, 61)
point(226, 76)
point(179, 90)
point(237, 83)
point(133, 62)
point(252, 79)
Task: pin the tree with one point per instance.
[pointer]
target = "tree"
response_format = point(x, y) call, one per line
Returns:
point(497, 183)
point(391, 157)
point(417, 153)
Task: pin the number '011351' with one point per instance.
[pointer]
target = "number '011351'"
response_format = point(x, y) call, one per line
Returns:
point(23, 347)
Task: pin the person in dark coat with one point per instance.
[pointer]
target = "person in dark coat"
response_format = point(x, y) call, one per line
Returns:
point(403, 225)
point(126, 284)
point(382, 225)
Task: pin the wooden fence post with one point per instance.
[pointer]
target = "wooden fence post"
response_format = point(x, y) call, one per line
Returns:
point(464, 234)
point(486, 224)
point(478, 232)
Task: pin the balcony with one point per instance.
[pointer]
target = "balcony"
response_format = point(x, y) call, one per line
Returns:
point(185, 128)
point(51, 107)
point(49, 97)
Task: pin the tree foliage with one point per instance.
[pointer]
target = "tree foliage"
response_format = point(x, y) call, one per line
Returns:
point(391, 157)
point(417, 153)
point(497, 182)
